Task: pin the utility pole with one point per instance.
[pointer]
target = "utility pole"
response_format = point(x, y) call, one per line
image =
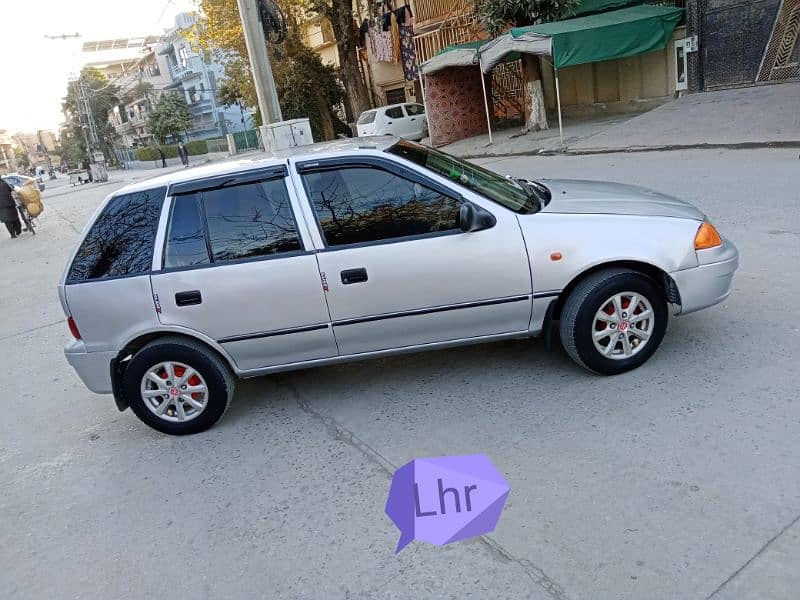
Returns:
point(259, 62)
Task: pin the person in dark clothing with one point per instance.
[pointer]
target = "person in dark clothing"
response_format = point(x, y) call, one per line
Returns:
point(8, 210)
point(163, 158)
point(184, 154)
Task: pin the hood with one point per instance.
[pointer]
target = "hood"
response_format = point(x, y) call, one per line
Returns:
point(599, 197)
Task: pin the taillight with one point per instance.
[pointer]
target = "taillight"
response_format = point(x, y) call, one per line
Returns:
point(73, 328)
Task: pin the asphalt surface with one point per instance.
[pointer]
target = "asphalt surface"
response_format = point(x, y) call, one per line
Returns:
point(678, 480)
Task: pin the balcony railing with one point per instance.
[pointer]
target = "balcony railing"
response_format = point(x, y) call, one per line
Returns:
point(458, 30)
point(432, 11)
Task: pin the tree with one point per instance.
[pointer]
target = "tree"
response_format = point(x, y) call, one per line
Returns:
point(102, 97)
point(497, 15)
point(221, 29)
point(170, 116)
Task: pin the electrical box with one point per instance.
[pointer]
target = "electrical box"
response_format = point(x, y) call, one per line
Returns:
point(286, 134)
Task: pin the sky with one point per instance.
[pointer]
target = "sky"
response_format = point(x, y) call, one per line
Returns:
point(36, 69)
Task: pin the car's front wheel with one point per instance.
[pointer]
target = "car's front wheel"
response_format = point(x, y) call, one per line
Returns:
point(177, 386)
point(613, 321)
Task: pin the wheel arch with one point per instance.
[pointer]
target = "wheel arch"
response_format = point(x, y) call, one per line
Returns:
point(132, 346)
point(657, 274)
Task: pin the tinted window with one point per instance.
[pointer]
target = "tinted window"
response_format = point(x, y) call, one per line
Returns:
point(367, 117)
point(186, 242)
point(120, 242)
point(415, 109)
point(363, 204)
point(395, 113)
point(250, 220)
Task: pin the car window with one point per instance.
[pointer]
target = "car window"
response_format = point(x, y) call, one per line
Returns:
point(364, 204)
point(12, 181)
point(250, 220)
point(415, 109)
point(367, 117)
point(120, 242)
point(186, 241)
point(395, 113)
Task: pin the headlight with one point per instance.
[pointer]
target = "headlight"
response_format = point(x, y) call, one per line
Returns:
point(707, 237)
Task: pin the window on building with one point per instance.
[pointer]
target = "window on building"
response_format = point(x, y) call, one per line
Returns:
point(396, 96)
point(120, 242)
point(184, 56)
point(364, 204)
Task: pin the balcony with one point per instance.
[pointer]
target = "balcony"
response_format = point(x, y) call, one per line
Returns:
point(457, 28)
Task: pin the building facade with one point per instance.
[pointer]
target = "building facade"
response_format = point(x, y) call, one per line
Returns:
point(8, 163)
point(197, 75)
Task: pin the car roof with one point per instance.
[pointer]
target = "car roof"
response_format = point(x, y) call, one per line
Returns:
point(332, 148)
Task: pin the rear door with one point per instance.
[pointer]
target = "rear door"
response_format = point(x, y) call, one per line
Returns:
point(396, 122)
point(416, 120)
point(236, 268)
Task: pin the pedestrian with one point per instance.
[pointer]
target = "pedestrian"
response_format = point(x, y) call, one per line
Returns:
point(88, 167)
point(163, 158)
point(8, 210)
point(184, 154)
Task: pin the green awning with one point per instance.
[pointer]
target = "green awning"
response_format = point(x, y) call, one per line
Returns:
point(587, 7)
point(607, 36)
point(458, 55)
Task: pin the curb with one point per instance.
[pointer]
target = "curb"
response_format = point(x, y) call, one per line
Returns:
point(637, 149)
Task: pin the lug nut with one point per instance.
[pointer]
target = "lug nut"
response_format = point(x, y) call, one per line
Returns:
point(183, 387)
point(169, 383)
point(613, 326)
point(624, 315)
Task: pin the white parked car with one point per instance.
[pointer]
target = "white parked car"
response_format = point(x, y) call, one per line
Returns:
point(406, 120)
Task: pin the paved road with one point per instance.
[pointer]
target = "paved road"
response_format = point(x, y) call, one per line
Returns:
point(676, 481)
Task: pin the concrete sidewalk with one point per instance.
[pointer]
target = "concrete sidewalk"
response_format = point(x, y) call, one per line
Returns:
point(762, 116)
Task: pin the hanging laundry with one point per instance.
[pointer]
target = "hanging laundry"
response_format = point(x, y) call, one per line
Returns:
point(402, 14)
point(380, 44)
point(395, 30)
point(408, 52)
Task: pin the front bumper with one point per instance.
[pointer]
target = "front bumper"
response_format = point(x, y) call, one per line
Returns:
point(710, 282)
point(94, 368)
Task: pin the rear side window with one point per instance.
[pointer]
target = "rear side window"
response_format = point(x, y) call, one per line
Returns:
point(232, 223)
point(395, 113)
point(415, 109)
point(186, 242)
point(120, 242)
point(367, 118)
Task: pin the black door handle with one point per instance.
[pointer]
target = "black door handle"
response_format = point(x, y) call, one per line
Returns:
point(188, 298)
point(354, 276)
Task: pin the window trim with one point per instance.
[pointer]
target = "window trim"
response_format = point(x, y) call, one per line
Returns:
point(381, 164)
point(248, 177)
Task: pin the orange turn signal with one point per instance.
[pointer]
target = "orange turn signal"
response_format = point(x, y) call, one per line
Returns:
point(707, 237)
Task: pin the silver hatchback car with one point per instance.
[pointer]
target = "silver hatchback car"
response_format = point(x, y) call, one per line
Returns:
point(363, 248)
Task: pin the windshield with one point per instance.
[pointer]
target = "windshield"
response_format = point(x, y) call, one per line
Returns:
point(504, 191)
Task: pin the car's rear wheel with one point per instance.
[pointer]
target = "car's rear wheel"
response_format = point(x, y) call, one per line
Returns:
point(177, 386)
point(614, 321)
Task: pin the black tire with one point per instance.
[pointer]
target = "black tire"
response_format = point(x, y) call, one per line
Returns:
point(217, 375)
point(578, 314)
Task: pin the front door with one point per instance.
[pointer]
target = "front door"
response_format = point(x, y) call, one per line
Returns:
point(399, 271)
point(234, 268)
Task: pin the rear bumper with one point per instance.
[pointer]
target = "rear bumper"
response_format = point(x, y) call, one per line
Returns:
point(710, 282)
point(93, 368)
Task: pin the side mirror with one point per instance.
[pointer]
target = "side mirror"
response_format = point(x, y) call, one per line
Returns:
point(474, 218)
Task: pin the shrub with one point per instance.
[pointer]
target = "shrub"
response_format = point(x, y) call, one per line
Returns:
point(196, 147)
point(150, 153)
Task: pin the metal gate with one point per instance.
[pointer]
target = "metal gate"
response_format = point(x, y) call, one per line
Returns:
point(735, 36)
point(508, 93)
point(782, 58)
